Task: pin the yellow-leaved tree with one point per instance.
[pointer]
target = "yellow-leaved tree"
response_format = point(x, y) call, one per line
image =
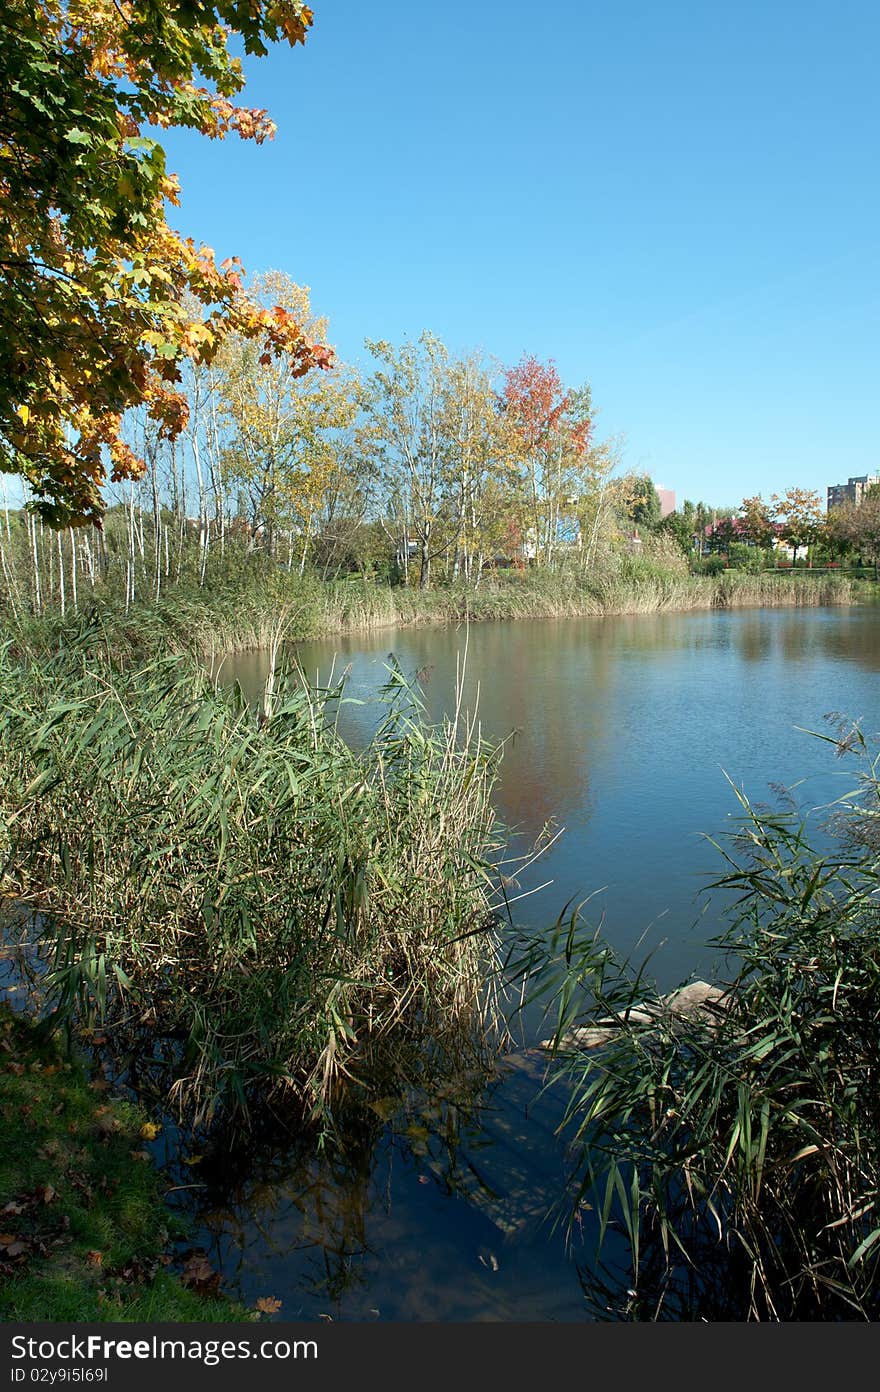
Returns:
point(283, 445)
point(96, 288)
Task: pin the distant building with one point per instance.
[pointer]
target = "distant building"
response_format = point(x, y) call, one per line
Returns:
point(667, 500)
point(568, 531)
point(853, 491)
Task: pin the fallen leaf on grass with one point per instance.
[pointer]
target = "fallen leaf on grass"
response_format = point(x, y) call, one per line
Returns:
point(137, 1272)
point(95, 1258)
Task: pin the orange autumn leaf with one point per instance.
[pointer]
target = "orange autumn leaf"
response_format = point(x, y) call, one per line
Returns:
point(101, 300)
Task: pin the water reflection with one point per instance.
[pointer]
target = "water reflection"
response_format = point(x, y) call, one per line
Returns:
point(625, 729)
point(441, 1211)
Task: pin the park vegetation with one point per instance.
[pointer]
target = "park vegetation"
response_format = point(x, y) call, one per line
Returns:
point(86, 1232)
point(732, 1154)
point(427, 488)
point(250, 907)
point(240, 910)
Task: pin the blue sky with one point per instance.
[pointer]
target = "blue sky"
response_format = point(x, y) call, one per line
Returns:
point(677, 202)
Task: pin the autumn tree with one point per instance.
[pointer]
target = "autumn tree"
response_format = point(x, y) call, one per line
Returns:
point(868, 526)
point(280, 447)
point(552, 427)
point(840, 535)
point(596, 499)
point(854, 527)
point(756, 522)
point(644, 507)
point(406, 401)
point(479, 473)
point(799, 514)
point(94, 316)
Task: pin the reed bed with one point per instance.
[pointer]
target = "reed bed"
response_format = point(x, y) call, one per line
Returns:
point(238, 899)
point(243, 615)
point(732, 1157)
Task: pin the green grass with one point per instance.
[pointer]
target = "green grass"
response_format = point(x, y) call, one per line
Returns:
point(84, 1231)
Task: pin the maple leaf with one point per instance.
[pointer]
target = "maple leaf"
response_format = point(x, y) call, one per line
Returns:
point(91, 310)
point(268, 1305)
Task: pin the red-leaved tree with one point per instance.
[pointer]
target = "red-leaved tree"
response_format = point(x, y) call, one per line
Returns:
point(552, 428)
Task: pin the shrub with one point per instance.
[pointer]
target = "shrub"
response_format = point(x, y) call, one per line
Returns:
point(747, 558)
point(710, 565)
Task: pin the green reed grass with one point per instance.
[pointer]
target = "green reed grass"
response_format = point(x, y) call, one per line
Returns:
point(736, 1158)
point(240, 612)
point(245, 901)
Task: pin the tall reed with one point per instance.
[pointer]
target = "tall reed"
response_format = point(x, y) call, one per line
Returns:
point(248, 903)
point(242, 613)
point(732, 1157)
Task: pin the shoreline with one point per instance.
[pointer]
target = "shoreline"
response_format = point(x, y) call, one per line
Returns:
point(341, 616)
point(265, 610)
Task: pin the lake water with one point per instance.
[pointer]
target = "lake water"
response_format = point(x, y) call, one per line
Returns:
point(625, 732)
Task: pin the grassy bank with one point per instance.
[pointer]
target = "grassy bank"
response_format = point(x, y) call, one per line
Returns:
point(314, 608)
point(247, 612)
point(85, 1234)
point(259, 910)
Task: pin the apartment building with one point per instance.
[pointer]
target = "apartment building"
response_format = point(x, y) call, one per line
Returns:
point(853, 491)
